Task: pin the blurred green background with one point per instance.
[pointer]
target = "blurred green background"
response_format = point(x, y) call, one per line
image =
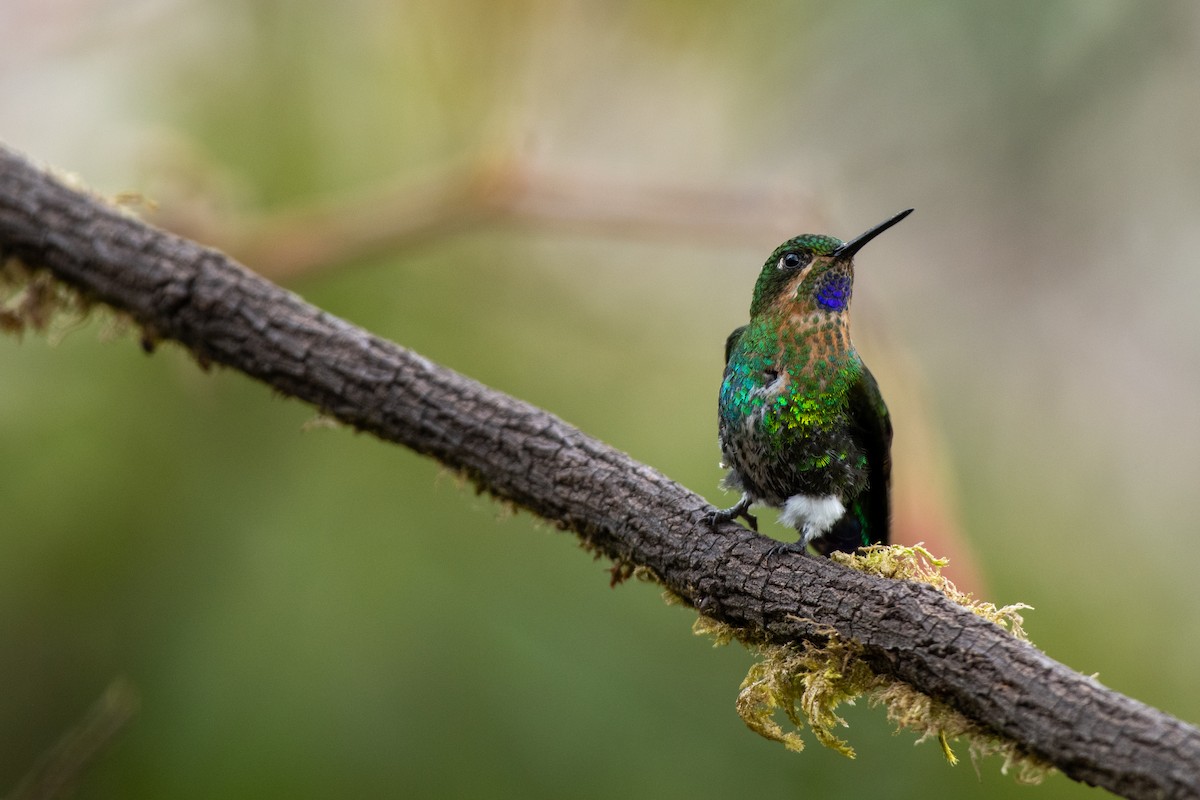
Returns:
point(316, 614)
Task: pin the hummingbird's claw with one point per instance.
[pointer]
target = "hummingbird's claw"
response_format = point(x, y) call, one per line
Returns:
point(741, 509)
point(780, 548)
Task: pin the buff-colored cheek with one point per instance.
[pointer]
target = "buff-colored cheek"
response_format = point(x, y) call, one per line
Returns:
point(798, 282)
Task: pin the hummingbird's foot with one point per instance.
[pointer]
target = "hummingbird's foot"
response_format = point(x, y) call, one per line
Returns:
point(781, 548)
point(741, 509)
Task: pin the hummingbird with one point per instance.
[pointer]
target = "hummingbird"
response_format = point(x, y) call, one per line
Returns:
point(802, 424)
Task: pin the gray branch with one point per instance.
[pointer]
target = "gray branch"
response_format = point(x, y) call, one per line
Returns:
point(176, 289)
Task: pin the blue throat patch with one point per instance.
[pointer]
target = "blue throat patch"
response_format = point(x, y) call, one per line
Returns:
point(834, 294)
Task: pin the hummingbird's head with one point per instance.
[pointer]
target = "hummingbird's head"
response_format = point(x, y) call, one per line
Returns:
point(812, 273)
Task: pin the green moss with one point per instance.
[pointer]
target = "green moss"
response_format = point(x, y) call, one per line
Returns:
point(807, 682)
point(34, 300)
point(918, 564)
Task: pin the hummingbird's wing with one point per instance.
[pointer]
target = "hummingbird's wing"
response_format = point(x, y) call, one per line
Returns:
point(870, 417)
point(732, 340)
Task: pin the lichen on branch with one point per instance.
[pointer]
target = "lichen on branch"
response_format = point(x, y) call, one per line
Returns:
point(809, 680)
point(34, 299)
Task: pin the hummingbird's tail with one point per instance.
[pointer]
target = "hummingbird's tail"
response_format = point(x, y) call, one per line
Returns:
point(850, 532)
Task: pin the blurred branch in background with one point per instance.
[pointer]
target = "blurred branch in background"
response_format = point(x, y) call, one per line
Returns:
point(503, 188)
point(222, 313)
point(62, 767)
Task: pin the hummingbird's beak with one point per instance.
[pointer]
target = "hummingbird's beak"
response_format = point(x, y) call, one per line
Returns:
point(851, 247)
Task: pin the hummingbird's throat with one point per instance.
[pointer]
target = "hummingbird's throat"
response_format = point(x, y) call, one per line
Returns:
point(833, 292)
point(824, 286)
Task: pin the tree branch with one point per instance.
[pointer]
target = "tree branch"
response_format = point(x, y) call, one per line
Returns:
point(59, 771)
point(223, 313)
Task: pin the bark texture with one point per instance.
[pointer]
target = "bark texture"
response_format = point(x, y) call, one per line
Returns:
point(223, 313)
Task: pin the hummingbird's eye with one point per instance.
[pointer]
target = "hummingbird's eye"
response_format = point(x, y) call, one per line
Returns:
point(790, 261)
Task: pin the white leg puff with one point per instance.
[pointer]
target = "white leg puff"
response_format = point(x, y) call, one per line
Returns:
point(812, 515)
